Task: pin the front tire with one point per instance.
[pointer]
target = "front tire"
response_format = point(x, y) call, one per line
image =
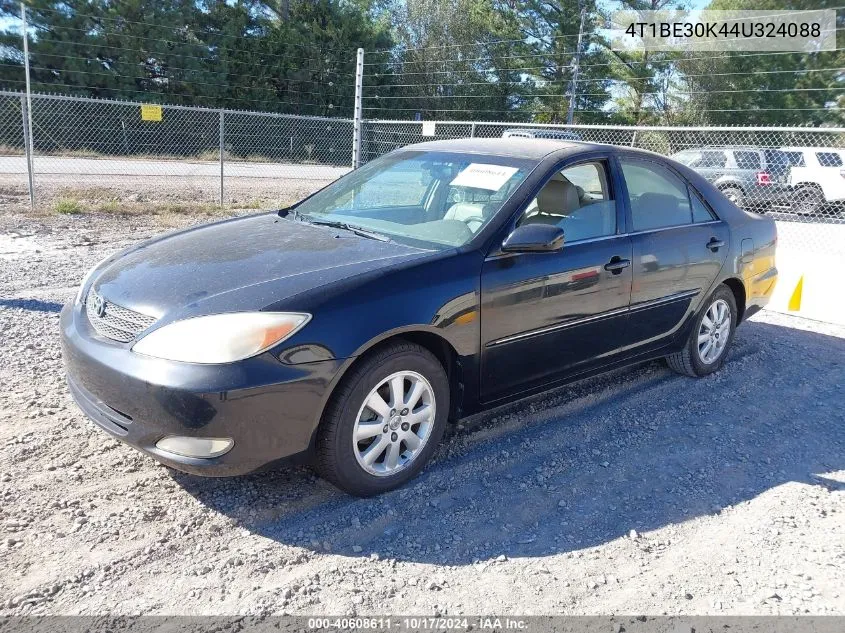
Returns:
point(711, 336)
point(384, 420)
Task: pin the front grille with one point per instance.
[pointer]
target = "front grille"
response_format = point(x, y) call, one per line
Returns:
point(116, 323)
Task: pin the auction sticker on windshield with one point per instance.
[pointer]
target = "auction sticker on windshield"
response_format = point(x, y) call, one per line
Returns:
point(484, 176)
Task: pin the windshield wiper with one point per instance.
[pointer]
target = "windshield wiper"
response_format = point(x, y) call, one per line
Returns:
point(293, 214)
point(357, 230)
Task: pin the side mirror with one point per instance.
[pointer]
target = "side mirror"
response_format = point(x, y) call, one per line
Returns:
point(534, 238)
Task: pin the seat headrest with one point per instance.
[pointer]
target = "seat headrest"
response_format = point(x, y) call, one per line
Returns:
point(558, 197)
point(465, 211)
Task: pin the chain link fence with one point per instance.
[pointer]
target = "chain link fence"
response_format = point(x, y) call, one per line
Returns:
point(115, 152)
point(100, 155)
point(95, 154)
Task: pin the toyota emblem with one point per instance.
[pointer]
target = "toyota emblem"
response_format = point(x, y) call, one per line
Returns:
point(99, 306)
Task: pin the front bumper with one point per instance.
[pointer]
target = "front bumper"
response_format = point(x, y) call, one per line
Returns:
point(269, 408)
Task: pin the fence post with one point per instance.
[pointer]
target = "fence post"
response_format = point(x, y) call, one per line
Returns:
point(573, 95)
point(222, 152)
point(472, 131)
point(26, 106)
point(27, 149)
point(357, 124)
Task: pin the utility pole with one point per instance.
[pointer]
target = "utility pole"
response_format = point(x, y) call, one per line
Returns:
point(573, 92)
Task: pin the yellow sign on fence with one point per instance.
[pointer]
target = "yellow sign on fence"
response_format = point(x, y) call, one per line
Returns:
point(150, 112)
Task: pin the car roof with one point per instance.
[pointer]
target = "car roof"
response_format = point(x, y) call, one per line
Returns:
point(812, 149)
point(730, 148)
point(514, 147)
point(537, 130)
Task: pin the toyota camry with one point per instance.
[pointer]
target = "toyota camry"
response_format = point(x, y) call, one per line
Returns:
point(439, 280)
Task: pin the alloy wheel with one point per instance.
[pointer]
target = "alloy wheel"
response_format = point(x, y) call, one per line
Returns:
point(714, 332)
point(394, 423)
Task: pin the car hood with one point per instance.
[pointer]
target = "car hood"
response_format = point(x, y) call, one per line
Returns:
point(260, 258)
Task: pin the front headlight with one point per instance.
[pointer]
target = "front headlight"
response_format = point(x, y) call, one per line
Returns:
point(220, 338)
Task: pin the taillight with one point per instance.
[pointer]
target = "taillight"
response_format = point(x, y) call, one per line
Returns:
point(763, 178)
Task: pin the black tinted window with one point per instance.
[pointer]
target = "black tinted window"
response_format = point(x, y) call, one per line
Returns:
point(776, 158)
point(796, 159)
point(829, 159)
point(747, 160)
point(658, 197)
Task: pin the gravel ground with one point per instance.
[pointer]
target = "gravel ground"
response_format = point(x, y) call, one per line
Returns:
point(636, 492)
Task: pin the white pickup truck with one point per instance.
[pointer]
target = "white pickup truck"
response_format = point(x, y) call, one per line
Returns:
point(817, 177)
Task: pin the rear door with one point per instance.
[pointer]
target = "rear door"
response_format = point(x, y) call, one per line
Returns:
point(678, 243)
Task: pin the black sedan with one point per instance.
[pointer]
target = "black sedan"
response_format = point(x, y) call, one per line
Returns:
point(432, 283)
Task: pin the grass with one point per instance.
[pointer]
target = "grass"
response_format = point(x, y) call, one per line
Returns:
point(110, 206)
point(281, 155)
point(68, 206)
point(73, 206)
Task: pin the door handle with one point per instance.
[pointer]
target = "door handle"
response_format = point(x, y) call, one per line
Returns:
point(715, 244)
point(616, 265)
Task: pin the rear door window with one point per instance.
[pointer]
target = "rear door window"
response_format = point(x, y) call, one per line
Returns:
point(747, 160)
point(659, 198)
point(713, 160)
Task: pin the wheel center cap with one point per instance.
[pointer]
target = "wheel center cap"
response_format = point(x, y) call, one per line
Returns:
point(395, 421)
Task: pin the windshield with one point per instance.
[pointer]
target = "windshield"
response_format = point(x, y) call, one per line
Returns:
point(435, 198)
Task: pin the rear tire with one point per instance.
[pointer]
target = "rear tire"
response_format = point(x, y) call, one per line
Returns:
point(735, 195)
point(808, 201)
point(710, 338)
point(384, 420)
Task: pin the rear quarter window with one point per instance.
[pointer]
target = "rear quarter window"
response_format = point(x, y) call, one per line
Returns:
point(829, 159)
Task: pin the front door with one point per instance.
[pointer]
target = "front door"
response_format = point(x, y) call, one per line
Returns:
point(544, 314)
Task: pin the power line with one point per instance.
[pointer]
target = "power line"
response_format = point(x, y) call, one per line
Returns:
point(174, 79)
point(754, 110)
point(156, 25)
point(169, 67)
point(551, 54)
point(150, 93)
point(202, 45)
point(594, 79)
point(605, 94)
point(615, 62)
